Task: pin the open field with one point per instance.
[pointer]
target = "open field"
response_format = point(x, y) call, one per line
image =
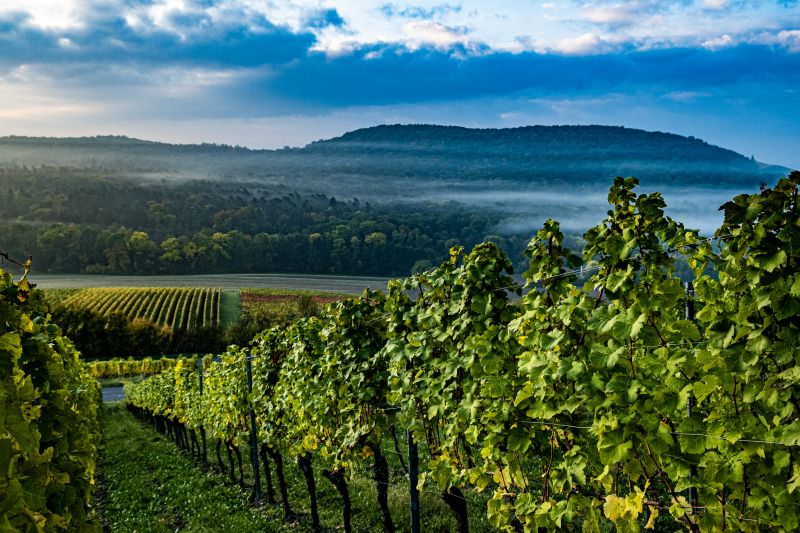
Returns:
point(226, 282)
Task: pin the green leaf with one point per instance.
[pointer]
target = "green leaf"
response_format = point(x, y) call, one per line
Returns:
point(613, 448)
point(773, 261)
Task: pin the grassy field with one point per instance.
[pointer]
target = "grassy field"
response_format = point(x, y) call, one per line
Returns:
point(227, 282)
point(230, 307)
point(149, 485)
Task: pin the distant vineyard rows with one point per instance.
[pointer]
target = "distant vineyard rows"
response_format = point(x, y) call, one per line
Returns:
point(250, 298)
point(181, 309)
point(117, 368)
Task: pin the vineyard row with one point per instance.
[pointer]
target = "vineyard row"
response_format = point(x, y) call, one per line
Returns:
point(625, 400)
point(49, 424)
point(181, 309)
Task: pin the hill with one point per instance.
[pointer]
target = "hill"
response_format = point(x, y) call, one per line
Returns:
point(535, 154)
point(375, 201)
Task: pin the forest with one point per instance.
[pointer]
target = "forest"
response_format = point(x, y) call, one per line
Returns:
point(386, 200)
point(80, 221)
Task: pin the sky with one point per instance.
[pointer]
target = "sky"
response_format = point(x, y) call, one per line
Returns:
point(273, 73)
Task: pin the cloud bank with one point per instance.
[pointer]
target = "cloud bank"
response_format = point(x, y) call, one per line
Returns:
point(250, 63)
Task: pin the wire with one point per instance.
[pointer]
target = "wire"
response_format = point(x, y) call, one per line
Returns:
point(546, 423)
point(678, 433)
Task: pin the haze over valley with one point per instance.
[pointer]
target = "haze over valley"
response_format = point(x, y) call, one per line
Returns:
point(337, 205)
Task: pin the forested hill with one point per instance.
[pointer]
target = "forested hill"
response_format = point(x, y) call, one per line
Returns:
point(376, 201)
point(578, 155)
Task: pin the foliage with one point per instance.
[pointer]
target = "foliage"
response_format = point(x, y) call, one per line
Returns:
point(353, 421)
point(116, 368)
point(263, 309)
point(99, 336)
point(450, 356)
point(224, 409)
point(746, 377)
point(85, 221)
point(580, 406)
point(49, 428)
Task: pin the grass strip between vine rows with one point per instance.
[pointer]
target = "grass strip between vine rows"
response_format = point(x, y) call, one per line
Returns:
point(149, 485)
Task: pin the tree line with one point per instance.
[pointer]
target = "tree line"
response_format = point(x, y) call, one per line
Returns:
point(82, 221)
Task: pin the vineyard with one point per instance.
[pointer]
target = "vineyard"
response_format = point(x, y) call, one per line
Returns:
point(181, 309)
point(630, 401)
point(123, 368)
point(254, 297)
point(49, 427)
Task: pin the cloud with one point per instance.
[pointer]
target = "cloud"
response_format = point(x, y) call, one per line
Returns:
point(395, 75)
point(419, 12)
point(723, 41)
point(588, 43)
point(789, 39)
point(230, 38)
point(422, 33)
point(715, 4)
point(686, 96)
point(324, 18)
point(620, 14)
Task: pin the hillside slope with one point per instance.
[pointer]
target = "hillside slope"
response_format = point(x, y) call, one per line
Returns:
point(535, 154)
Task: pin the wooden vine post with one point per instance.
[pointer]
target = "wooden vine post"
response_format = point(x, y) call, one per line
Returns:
point(689, 404)
point(413, 478)
point(200, 388)
point(253, 431)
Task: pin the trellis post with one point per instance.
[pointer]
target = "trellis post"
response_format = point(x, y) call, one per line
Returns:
point(689, 404)
point(253, 431)
point(413, 478)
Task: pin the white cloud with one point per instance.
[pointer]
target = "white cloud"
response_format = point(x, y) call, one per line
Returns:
point(588, 43)
point(715, 4)
point(717, 43)
point(421, 33)
point(789, 39)
point(569, 26)
point(686, 96)
point(49, 14)
point(621, 13)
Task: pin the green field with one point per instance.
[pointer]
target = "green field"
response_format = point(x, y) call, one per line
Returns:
point(226, 282)
point(230, 307)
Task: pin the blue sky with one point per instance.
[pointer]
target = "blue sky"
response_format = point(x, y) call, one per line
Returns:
point(267, 73)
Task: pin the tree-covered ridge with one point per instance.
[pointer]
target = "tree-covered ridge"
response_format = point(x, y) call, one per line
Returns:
point(539, 154)
point(584, 141)
point(84, 221)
